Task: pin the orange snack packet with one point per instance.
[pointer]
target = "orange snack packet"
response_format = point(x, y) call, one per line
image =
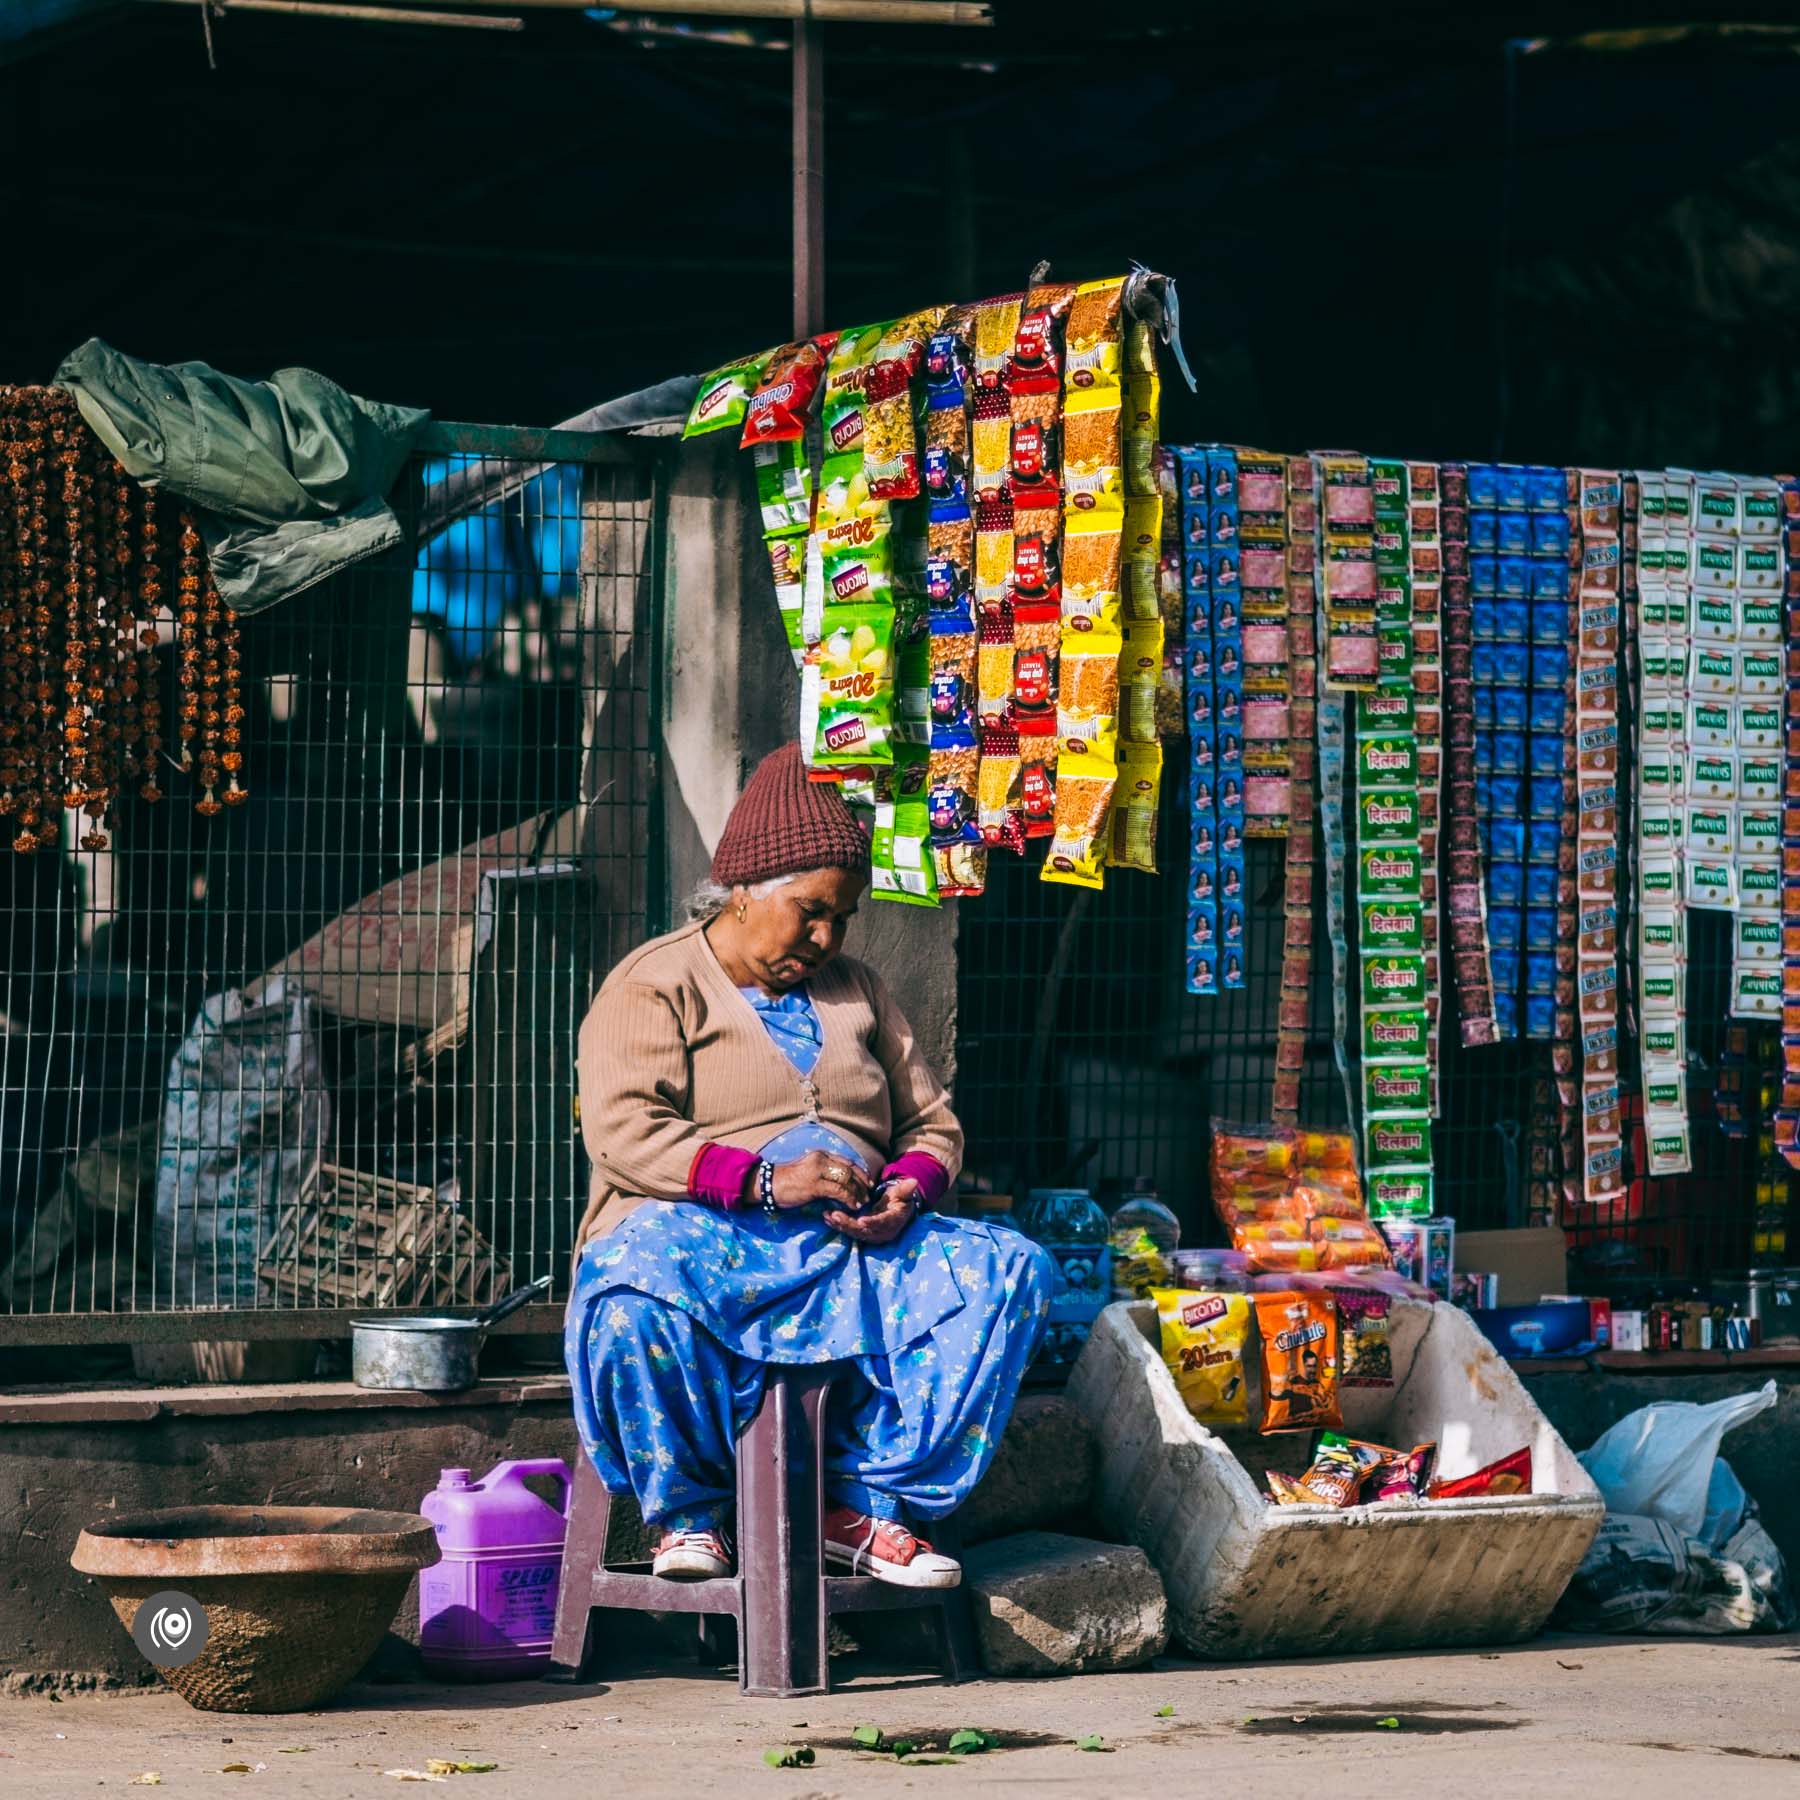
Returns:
point(1299, 1350)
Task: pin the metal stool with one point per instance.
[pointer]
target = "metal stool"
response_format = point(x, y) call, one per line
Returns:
point(781, 1597)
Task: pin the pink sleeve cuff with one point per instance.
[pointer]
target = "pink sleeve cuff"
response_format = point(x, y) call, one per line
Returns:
point(718, 1175)
point(924, 1168)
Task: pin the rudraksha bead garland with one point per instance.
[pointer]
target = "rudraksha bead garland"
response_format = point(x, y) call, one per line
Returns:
point(88, 561)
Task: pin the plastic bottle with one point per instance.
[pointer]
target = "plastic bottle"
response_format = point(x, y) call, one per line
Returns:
point(1069, 1223)
point(1144, 1235)
point(487, 1611)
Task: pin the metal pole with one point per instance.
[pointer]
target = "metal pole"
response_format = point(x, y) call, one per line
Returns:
point(809, 179)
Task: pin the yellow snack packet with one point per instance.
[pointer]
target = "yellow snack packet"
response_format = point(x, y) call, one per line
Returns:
point(1203, 1338)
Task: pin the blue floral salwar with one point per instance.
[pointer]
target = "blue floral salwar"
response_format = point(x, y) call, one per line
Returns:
point(676, 1316)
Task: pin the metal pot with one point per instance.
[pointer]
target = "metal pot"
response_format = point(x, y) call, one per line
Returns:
point(428, 1353)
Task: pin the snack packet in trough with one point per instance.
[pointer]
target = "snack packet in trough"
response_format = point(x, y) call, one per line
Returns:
point(1510, 1475)
point(1203, 1338)
point(1299, 1342)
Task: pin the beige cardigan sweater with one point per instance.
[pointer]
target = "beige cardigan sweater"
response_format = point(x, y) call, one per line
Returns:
point(673, 1058)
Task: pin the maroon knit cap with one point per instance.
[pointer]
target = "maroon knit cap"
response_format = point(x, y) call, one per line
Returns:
point(784, 824)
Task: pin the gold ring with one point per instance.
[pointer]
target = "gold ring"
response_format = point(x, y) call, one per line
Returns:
point(835, 1174)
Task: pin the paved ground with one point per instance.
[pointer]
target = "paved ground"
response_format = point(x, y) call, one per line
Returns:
point(1562, 1715)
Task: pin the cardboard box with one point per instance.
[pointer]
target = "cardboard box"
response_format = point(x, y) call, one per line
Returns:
point(1628, 1331)
point(1530, 1261)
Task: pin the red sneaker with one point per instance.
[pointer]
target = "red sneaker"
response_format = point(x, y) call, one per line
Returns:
point(888, 1551)
point(692, 1556)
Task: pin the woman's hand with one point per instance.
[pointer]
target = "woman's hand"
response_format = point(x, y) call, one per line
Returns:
point(892, 1210)
point(837, 1181)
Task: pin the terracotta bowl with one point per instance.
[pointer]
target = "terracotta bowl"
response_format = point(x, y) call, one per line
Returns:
point(297, 1597)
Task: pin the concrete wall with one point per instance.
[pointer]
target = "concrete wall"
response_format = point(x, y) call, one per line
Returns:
point(58, 1476)
point(733, 696)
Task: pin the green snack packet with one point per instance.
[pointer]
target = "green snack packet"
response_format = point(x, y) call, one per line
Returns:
point(1398, 1142)
point(724, 396)
point(844, 411)
point(901, 864)
point(847, 689)
point(783, 485)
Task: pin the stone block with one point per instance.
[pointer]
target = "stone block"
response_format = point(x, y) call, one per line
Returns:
point(1046, 1604)
point(1042, 1475)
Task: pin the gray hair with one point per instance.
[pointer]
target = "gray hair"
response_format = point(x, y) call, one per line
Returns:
point(711, 898)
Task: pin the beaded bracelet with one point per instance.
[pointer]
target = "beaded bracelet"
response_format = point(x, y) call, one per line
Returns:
point(765, 1188)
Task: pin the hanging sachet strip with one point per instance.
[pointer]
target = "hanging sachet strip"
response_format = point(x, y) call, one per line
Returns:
point(1346, 571)
point(1756, 607)
point(1192, 479)
point(1333, 735)
point(1787, 1110)
point(1262, 579)
point(1660, 763)
point(1460, 822)
point(1595, 1052)
point(1394, 987)
point(1226, 556)
point(1425, 550)
point(1302, 644)
point(1571, 882)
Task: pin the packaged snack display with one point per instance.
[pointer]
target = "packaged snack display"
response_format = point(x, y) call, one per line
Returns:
point(1363, 1327)
point(1510, 1475)
point(724, 396)
point(1299, 1350)
point(784, 393)
point(1403, 1476)
point(1203, 1338)
point(1338, 1470)
point(847, 693)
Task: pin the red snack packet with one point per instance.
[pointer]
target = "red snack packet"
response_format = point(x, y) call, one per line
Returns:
point(1510, 1475)
point(781, 399)
point(1405, 1477)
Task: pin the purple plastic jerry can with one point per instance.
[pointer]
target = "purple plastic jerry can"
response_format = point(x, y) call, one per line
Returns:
point(488, 1609)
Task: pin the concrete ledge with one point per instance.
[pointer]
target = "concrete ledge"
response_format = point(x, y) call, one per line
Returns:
point(140, 1405)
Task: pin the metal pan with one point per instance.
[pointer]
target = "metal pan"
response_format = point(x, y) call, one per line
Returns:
point(428, 1353)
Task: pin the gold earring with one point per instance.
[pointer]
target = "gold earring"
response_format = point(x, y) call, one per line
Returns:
point(740, 912)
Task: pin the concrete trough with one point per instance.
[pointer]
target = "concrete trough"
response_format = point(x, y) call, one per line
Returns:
point(1246, 1579)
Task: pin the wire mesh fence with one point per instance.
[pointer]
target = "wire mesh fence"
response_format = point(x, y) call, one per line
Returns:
point(317, 1052)
point(1080, 1056)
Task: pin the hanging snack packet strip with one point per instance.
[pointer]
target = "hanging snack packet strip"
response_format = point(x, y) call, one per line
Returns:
point(1462, 814)
point(890, 438)
point(1263, 607)
point(995, 327)
point(1142, 409)
point(724, 396)
point(784, 495)
point(1786, 1122)
point(1593, 1054)
point(1295, 1004)
point(1425, 550)
point(1203, 820)
point(1298, 1338)
point(1396, 985)
point(1203, 1338)
point(1034, 393)
point(1346, 570)
point(1224, 574)
point(1660, 772)
point(1759, 822)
